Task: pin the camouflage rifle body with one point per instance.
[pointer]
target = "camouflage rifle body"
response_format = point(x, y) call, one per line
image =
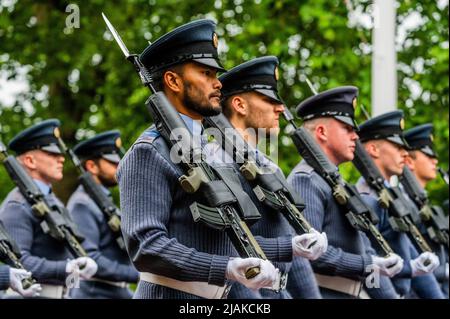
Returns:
point(431, 216)
point(359, 215)
point(390, 198)
point(270, 188)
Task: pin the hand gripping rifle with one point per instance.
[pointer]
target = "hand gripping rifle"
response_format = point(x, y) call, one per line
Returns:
point(55, 219)
point(223, 210)
point(436, 223)
point(269, 187)
point(10, 254)
point(360, 216)
point(103, 202)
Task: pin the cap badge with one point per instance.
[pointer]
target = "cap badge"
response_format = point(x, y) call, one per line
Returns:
point(118, 142)
point(57, 132)
point(215, 40)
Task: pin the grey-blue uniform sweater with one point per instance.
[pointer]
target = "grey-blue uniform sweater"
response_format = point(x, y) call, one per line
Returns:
point(402, 245)
point(114, 265)
point(4, 277)
point(349, 252)
point(43, 255)
point(159, 231)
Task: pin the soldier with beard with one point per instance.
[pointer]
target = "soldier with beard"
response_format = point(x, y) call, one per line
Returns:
point(100, 156)
point(176, 257)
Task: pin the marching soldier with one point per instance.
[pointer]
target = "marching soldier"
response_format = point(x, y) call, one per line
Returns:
point(176, 257)
point(47, 258)
point(329, 118)
point(422, 161)
point(382, 137)
point(99, 156)
point(251, 102)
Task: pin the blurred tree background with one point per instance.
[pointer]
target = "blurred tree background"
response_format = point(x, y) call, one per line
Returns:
point(79, 75)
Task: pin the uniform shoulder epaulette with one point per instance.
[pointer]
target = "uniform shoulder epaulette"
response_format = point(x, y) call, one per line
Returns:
point(149, 135)
point(363, 187)
point(152, 136)
point(304, 168)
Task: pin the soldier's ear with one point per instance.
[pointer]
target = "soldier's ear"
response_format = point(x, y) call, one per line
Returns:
point(321, 132)
point(28, 160)
point(409, 162)
point(373, 149)
point(173, 81)
point(239, 105)
point(92, 167)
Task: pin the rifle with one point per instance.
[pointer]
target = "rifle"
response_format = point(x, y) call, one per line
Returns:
point(222, 212)
point(269, 187)
point(390, 198)
point(10, 254)
point(431, 216)
point(360, 216)
point(103, 202)
point(55, 219)
point(444, 174)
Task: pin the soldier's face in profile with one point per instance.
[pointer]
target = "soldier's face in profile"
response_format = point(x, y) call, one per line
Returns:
point(262, 113)
point(107, 172)
point(341, 141)
point(47, 167)
point(391, 158)
point(424, 166)
point(103, 171)
point(201, 89)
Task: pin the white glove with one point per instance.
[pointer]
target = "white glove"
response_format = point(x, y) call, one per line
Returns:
point(85, 266)
point(15, 279)
point(267, 278)
point(388, 266)
point(424, 264)
point(310, 246)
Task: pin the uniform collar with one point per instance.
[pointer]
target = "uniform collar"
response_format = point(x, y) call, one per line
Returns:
point(105, 190)
point(45, 188)
point(194, 126)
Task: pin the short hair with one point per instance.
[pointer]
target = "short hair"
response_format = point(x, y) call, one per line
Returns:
point(226, 102)
point(310, 125)
point(158, 77)
point(413, 154)
point(226, 106)
point(95, 159)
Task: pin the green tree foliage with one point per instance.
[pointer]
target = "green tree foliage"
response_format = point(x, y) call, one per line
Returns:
point(80, 76)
